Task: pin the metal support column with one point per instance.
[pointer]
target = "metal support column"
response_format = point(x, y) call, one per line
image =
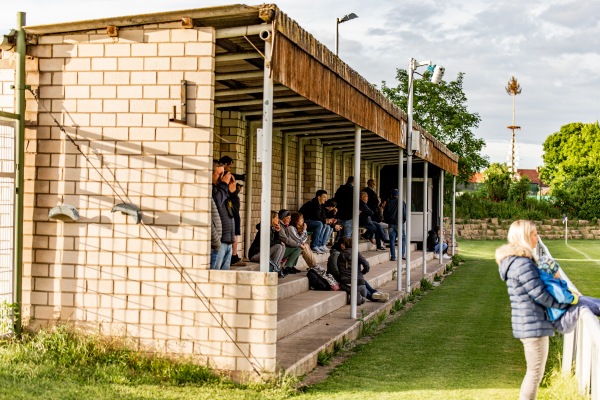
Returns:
point(425, 214)
point(20, 167)
point(343, 169)
point(284, 172)
point(249, 191)
point(355, 207)
point(400, 217)
point(267, 160)
point(453, 213)
point(441, 214)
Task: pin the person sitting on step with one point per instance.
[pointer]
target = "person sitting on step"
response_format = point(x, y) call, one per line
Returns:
point(365, 220)
point(277, 249)
point(339, 265)
point(297, 234)
point(315, 217)
point(433, 242)
point(291, 243)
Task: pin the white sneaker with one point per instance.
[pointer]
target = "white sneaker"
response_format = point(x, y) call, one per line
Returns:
point(378, 296)
point(446, 257)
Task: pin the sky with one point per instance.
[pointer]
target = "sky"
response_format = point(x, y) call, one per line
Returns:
point(551, 46)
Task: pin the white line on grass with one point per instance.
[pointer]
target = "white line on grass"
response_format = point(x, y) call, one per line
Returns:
point(583, 254)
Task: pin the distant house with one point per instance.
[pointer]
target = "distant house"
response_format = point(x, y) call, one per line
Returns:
point(537, 186)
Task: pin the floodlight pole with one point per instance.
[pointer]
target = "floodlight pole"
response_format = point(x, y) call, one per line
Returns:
point(339, 21)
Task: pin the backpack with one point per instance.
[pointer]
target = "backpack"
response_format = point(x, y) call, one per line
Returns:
point(317, 281)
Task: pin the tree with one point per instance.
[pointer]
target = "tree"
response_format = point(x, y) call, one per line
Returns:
point(571, 153)
point(497, 181)
point(442, 111)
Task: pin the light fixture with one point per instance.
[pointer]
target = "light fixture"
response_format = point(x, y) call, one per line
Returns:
point(129, 209)
point(64, 213)
point(339, 21)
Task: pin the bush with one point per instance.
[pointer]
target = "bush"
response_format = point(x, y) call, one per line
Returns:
point(579, 198)
point(476, 206)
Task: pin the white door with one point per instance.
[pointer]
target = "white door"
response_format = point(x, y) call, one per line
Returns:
point(416, 223)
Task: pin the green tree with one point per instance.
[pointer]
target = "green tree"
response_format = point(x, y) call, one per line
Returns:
point(497, 181)
point(571, 153)
point(519, 189)
point(442, 111)
point(579, 198)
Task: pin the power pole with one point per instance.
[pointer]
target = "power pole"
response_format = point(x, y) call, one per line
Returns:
point(513, 89)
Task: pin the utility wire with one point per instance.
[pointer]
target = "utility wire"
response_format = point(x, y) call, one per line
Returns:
point(161, 245)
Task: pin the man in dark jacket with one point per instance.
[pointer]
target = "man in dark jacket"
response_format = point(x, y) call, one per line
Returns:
point(374, 201)
point(344, 198)
point(235, 198)
point(390, 216)
point(223, 185)
point(315, 217)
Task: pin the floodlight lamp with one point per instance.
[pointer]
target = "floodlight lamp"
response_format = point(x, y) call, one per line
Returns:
point(438, 73)
point(348, 17)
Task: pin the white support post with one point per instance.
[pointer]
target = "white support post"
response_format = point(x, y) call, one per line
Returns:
point(300, 170)
point(284, 172)
point(409, 157)
point(267, 162)
point(441, 208)
point(400, 218)
point(453, 213)
point(355, 207)
point(425, 214)
point(343, 168)
point(249, 193)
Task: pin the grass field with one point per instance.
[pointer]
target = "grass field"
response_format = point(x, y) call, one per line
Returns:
point(454, 343)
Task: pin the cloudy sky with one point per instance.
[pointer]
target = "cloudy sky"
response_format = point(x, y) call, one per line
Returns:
point(551, 46)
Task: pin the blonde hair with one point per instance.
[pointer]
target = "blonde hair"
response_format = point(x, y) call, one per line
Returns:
point(519, 234)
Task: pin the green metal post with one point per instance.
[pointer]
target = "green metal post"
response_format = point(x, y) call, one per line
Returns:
point(20, 158)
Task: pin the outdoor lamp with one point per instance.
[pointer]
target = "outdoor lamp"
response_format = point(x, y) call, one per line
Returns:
point(339, 21)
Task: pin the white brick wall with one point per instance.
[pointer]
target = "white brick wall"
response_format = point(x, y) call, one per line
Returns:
point(115, 96)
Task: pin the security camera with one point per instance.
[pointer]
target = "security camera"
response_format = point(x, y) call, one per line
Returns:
point(438, 74)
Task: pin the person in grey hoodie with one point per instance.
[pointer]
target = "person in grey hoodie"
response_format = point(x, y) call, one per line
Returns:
point(528, 300)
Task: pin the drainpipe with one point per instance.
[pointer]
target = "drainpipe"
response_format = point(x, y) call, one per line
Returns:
point(267, 157)
point(249, 190)
point(284, 180)
point(441, 213)
point(299, 174)
point(333, 171)
point(323, 170)
point(453, 212)
point(400, 217)
point(20, 168)
point(343, 168)
point(378, 179)
point(355, 207)
point(425, 213)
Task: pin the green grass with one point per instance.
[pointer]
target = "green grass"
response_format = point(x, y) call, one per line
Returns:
point(453, 343)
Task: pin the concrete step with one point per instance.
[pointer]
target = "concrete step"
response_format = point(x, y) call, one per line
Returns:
point(292, 285)
point(299, 310)
point(297, 353)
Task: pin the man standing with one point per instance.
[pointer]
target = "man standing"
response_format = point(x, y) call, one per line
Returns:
point(390, 216)
point(223, 184)
point(315, 217)
point(344, 198)
point(235, 198)
point(374, 201)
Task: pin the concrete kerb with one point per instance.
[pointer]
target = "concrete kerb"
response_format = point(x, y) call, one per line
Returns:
point(307, 363)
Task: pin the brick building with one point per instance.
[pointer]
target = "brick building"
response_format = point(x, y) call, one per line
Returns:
point(118, 86)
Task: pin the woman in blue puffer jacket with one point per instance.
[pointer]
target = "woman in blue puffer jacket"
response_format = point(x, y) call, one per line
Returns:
point(528, 300)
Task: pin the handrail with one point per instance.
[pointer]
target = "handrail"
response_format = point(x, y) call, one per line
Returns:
point(582, 346)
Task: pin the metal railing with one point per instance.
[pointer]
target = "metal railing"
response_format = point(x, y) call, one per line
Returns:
point(7, 208)
point(581, 348)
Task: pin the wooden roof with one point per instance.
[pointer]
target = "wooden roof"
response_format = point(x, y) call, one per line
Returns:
point(316, 95)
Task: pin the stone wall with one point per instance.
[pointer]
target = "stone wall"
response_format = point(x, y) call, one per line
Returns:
point(549, 229)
